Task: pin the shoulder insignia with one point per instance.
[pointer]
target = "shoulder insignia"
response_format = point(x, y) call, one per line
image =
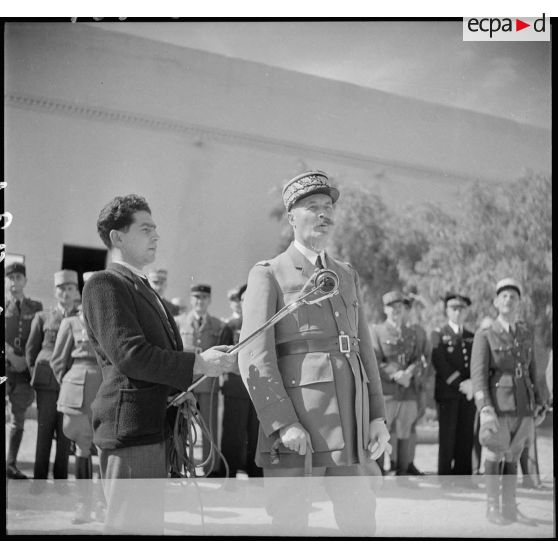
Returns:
point(264, 263)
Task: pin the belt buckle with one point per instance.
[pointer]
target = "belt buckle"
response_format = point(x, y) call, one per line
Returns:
point(344, 344)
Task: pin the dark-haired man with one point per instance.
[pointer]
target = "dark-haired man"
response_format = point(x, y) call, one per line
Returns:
point(20, 311)
point(139, 349)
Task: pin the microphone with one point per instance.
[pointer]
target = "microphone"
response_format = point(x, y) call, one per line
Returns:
point(327, 281)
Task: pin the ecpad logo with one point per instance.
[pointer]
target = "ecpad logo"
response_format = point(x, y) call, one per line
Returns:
point(506, 29)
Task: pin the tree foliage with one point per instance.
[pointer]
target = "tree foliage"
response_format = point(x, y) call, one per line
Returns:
point(496, 231)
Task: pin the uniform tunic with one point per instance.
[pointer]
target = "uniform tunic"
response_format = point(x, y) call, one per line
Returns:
point(397, 350)
point(75, 367)
point(504, 376)
point(295, 371)
point(451, 356)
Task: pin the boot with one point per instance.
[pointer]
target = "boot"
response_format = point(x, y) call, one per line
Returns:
point(401, 473)
point(524, 462)
point(509, 504)
point(84, 475)
point(492, 477)
point(12, 472)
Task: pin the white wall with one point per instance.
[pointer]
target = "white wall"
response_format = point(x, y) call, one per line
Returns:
point(209, 141)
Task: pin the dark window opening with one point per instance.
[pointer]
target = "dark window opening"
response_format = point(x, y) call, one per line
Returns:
point(83, 259)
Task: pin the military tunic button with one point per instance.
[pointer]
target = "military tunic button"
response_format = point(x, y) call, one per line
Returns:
point(337, 315)
point(251, 353)
point(341, 333)
point(293, 382)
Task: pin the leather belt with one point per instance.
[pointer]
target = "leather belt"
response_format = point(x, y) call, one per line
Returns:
point(340, 344)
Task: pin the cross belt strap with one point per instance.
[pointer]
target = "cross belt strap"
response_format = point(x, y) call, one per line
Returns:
point(340, 344)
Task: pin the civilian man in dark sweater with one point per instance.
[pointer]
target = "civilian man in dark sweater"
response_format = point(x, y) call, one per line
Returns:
point(139, 349)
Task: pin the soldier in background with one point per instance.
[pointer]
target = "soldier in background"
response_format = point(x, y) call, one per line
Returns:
point(507, 396)
point(451, 354)
point(20, 311)
point(200, 331)
point(75, 367)
point(414, 305)
point(400, 364)
point(38, 352)
point(240, 421)
point(158, 280)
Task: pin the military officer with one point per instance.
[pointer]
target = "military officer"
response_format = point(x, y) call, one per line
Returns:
point(158, 280)
point(38, 352)
point(451, 354)
point(312, 377)
point(400, 363)
point(200, 331)
point(414, 304)
point(505, 391)
point(240, 422)
point(75, 367)
point(20, 311)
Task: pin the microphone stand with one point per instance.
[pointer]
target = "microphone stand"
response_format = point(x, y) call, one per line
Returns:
point(326, 284)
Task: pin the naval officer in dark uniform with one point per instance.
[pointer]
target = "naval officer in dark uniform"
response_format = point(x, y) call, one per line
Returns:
point(451, 354)
point(20, 312)
point(505, 391)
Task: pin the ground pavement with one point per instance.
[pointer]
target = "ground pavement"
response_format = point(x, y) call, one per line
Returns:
point(236, 507)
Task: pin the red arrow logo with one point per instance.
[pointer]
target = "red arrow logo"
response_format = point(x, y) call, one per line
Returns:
point(519, 25)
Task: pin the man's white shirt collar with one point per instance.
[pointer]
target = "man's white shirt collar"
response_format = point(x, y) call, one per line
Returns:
point(310, 255)
point(456, 328)
point(505, 324)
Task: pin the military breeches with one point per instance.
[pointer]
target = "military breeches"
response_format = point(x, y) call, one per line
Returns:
point(20, 396)
point(49, 426)
point(514, 433)
point(400, 416)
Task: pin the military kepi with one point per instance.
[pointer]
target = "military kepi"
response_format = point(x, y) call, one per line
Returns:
point(200, 289)
point(392, 297)
point(508, 283)
point(65, 276)
point(306, 184)
point(459, 298)
point(16, 267)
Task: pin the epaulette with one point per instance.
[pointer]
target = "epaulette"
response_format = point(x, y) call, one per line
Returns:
point(264, 263)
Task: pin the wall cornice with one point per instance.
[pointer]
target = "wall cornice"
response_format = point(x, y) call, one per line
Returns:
point(203, 134)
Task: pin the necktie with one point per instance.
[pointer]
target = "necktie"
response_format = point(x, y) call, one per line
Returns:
point(319, 263)
point(200, 322)
point(18, 304)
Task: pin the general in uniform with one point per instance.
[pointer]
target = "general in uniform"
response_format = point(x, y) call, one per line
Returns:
point(200, 331)
point(240, 421)
point(400, 362)
point(451, 357)
point(38, 351)
point(506, 393)
point(19, 314)
point(75, 367)
point(312, 377)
